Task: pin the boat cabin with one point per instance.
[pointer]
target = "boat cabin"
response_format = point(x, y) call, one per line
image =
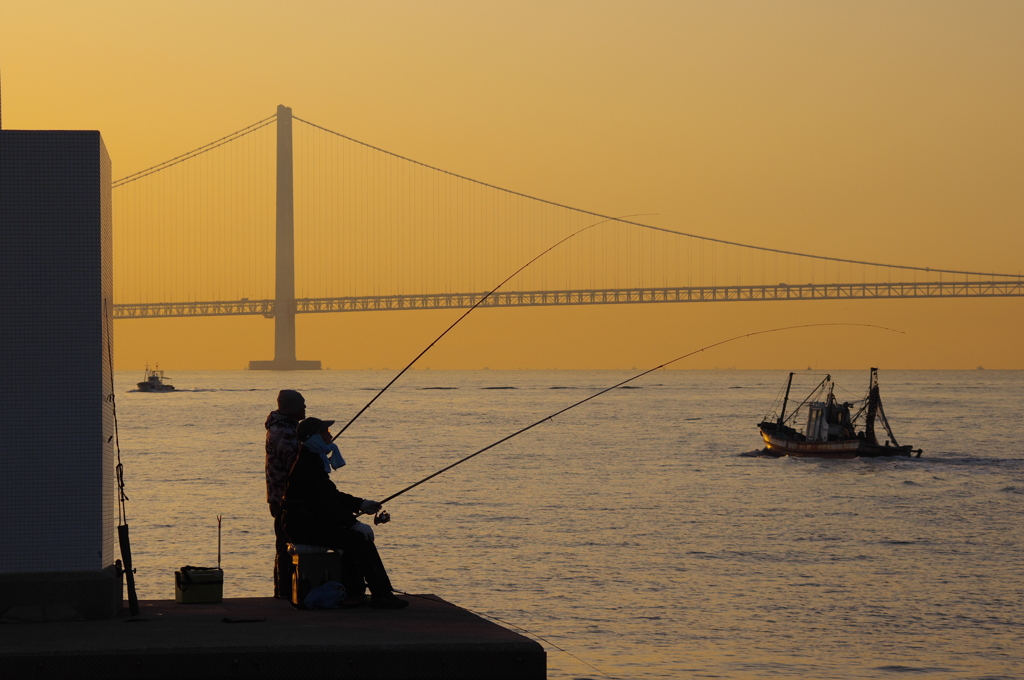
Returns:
point(828, 421)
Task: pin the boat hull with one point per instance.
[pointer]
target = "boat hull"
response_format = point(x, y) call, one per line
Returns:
point(148, 387)
point(846, 449)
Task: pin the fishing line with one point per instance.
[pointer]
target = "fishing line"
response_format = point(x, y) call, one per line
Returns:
point(629, 380)
point(477, 304)
point(489, 616)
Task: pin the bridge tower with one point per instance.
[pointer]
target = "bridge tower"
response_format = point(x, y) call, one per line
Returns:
point(284, 302)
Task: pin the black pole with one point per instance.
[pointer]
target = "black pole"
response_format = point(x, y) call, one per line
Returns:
point(785, 400)
point(129, 572)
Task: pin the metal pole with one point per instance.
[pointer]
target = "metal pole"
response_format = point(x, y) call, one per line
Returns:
point(785, 400)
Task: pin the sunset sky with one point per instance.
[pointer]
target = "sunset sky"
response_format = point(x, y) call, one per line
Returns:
point(878, 131)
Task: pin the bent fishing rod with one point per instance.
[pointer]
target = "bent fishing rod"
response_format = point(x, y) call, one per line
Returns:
point(477, 304)
point(624, 382)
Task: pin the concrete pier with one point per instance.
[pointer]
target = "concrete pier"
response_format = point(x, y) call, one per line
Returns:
point(267, 638)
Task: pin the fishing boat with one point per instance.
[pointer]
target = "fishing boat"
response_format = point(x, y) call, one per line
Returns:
point(831, 430)
point(153, 381)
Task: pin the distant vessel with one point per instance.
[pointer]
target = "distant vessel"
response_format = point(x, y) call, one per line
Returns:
point(831, 431)
point(154, 381)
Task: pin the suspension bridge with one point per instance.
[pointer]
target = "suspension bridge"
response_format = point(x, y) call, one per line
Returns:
point(286, 217)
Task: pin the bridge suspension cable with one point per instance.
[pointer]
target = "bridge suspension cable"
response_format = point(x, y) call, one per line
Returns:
point(709, 239)
point(194, 152)
point(198, 226)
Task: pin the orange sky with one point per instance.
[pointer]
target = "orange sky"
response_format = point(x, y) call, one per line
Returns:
point(870, 130)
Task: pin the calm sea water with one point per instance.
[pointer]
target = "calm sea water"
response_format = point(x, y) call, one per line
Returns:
point(631, 532)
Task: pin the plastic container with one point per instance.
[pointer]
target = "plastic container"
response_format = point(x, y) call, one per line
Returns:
point(198, 585)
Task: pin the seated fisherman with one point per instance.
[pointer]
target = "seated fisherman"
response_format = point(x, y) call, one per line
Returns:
point(317, 513)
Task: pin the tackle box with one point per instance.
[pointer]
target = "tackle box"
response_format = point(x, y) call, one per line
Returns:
point(197, 585)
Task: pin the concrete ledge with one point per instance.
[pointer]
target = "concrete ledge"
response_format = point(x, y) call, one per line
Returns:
point(429, 639)
point(61, 596)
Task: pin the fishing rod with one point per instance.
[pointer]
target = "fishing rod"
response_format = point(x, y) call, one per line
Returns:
point(122, 513)
point(624, 382)
point(477, 304)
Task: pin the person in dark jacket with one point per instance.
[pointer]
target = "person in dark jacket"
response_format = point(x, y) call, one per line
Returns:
point(282, 448)
point(317, 513)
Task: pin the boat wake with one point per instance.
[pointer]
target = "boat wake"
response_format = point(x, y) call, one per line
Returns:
point(200, 389)
point(758, 453)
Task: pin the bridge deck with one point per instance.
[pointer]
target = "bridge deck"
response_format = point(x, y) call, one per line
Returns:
point(755, 293)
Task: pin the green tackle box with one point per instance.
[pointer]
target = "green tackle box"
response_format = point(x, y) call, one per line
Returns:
point(197, 585)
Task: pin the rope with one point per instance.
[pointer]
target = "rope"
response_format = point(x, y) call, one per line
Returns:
point(122, 513)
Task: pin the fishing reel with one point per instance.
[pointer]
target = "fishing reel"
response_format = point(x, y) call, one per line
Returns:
point(382, 517)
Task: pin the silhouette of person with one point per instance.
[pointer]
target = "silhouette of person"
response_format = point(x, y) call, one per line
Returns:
point(316, 513)
point(282, 449)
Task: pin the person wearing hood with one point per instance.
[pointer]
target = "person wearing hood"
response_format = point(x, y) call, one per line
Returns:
point(282, 449)
point(315, 512)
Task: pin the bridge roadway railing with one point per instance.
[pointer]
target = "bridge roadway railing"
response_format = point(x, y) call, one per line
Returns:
point(609, 296)
point(219, 308)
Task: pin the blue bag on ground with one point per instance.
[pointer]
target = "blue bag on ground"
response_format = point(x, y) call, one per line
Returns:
point(327, 596)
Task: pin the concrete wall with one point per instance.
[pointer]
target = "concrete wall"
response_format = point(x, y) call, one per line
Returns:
point(57, 485)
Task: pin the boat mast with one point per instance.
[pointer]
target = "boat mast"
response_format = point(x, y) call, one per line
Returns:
point(873, 404)
point(785, 399)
